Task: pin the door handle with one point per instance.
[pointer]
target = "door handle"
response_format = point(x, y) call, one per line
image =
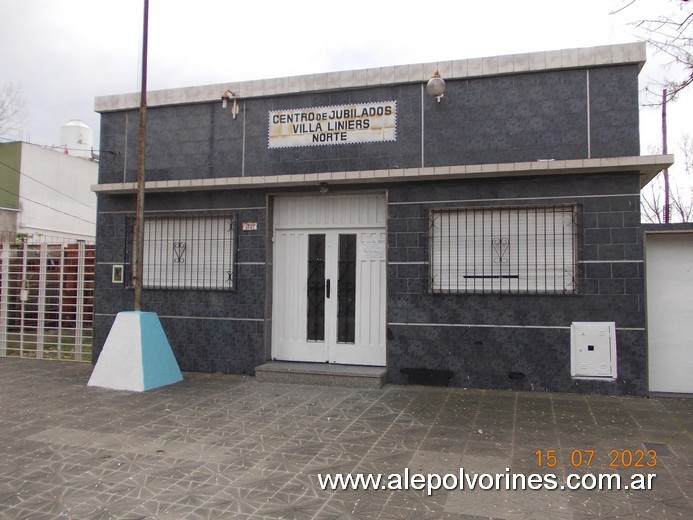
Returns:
point(327, 288)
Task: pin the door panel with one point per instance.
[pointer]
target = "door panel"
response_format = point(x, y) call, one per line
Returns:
point(290, 301)
point(316, 285)
point(368, 347)
point(346, 289)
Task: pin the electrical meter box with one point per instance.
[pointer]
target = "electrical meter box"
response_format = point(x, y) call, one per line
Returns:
point(593, 350)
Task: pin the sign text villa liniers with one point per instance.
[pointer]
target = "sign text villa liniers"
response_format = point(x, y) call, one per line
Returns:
point(343, 124)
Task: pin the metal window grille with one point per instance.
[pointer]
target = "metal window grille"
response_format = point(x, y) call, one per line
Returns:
point(527, 249)
point(46, 297)
point(190, 252)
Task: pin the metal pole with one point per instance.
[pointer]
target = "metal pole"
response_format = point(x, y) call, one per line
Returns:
point(80, 299)
point(4, 294)
point(139, 214)
point(41, 301)
point(664, 151)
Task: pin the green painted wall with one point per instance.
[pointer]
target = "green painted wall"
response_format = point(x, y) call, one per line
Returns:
point(10, 160)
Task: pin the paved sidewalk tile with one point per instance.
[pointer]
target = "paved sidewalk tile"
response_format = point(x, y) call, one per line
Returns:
point(222, 446)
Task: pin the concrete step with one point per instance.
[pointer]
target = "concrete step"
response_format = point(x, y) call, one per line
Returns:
point(321, 374)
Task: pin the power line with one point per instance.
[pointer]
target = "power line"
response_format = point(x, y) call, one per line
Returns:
point(47, 186)
point(57, 147)
point(46, 206)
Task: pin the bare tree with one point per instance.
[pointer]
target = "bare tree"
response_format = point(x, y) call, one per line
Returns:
point(12, 108)
point(682, 198)
point(652, 201)
point(681, 191)
point(671, 35)
point(652, 197)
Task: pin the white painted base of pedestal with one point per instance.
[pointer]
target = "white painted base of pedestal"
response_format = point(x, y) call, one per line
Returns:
point(136, 356)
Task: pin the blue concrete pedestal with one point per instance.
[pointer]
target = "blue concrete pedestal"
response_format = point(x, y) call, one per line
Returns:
point(136, 355)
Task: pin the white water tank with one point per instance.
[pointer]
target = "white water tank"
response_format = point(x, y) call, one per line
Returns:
point(76, 137)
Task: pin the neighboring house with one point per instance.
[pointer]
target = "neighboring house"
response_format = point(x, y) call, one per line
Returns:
point(47, 230)
point(46, 192)
point(490, 238)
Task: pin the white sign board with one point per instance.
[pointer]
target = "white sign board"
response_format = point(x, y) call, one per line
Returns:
point(372, 249)
point(340, 124)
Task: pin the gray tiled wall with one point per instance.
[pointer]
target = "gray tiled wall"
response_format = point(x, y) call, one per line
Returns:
point(513, 118)
point(208, 330)
point(506, 335)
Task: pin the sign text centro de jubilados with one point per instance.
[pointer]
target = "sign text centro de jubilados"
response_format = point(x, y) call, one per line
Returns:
point(342, 124)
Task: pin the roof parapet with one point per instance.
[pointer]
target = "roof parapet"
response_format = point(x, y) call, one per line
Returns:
point(392, 75)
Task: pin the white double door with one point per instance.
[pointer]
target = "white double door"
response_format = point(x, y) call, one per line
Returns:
point(329, 273)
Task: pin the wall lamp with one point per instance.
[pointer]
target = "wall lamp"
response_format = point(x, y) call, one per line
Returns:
point(230, 96)
point(436, 86)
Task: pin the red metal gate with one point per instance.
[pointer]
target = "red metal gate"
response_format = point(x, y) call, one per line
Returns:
point(46, 298)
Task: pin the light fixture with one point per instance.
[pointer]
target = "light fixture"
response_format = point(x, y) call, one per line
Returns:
point(230, 96)
point(226, 96)
point(436, 86)
point(323, 188)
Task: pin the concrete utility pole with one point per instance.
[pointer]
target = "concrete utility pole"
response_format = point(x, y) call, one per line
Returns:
point(137, 336)
point(139, 213)
point(667, 209)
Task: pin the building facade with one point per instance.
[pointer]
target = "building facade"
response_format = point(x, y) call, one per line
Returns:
point(480, 239)
point(44, 192)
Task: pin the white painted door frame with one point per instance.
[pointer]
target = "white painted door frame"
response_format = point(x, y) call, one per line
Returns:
point(296, 218)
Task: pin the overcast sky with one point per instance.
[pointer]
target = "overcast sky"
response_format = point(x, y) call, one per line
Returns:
point(65, 53)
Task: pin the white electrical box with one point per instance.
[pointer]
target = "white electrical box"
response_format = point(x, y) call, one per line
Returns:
point(593, 350)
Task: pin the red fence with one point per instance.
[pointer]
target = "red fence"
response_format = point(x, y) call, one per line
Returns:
point(46, 298)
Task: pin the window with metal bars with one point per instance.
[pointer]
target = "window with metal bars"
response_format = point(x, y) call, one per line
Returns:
point(188, 252)
point(523, 249)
